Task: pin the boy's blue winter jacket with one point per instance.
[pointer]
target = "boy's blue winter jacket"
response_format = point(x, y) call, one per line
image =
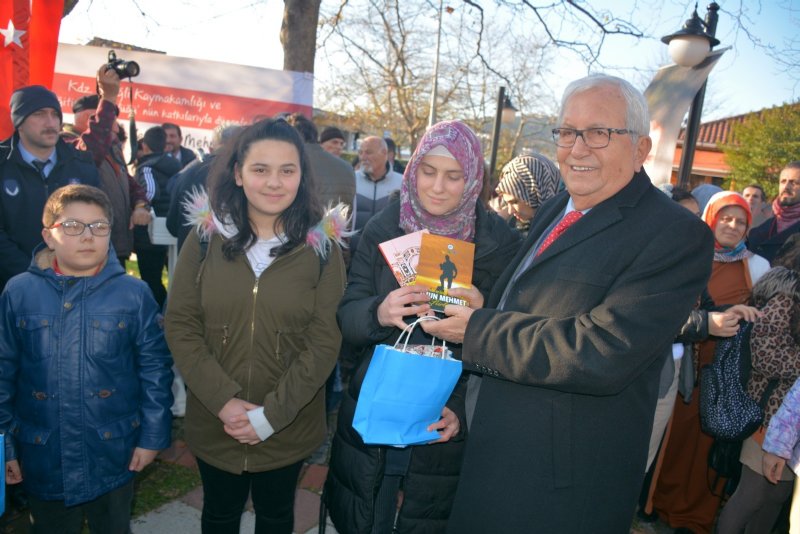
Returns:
point(85, 377)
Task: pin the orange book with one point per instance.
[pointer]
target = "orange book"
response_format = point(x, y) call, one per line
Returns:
point(402, 255)
point(444, 263)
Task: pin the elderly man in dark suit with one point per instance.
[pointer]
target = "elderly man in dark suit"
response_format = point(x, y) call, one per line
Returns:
point(573, 339)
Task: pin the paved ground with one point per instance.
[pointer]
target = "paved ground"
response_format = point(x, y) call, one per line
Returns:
point(183, 514)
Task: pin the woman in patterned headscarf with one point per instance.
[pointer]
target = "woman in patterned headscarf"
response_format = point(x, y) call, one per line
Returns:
point(439, 193)
point(526, 182)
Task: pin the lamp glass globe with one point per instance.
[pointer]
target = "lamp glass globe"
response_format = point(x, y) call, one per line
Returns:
point(689, 50)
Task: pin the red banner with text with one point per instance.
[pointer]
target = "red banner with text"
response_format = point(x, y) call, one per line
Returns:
point(197, 95)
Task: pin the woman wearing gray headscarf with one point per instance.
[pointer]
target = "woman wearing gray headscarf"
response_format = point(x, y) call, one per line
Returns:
point(703, 192)
point(526, 182)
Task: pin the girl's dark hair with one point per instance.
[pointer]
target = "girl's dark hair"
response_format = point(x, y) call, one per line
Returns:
point(776, 281)
point(789, 254)
point(780, 281)
point(230, 203)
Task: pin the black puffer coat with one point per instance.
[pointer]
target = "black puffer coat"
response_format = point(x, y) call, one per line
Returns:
point(356, 470)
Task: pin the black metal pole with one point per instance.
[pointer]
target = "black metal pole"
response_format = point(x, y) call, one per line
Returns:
point(690, 138)
point(695, 111)
point(498, 119)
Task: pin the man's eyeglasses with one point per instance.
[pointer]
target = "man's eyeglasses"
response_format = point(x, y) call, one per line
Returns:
point(592, 137)
point(70, 227)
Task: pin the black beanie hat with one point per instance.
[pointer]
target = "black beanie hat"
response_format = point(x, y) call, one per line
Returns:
point(330, 132)
point(29, 99)
point(86, 102)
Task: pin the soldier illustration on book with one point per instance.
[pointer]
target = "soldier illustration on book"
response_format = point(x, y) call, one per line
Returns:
point(449, 271)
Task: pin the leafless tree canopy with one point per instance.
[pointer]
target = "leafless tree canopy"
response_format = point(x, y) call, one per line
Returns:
point(380, 55)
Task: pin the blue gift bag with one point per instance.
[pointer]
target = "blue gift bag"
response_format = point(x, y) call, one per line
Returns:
point(403, 393)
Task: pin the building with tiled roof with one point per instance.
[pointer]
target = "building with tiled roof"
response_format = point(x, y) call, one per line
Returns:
point(709, 164)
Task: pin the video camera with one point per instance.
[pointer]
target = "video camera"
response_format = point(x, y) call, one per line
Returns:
point(124, 69)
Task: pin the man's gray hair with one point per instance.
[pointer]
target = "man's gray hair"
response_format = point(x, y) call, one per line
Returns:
point(637, 116)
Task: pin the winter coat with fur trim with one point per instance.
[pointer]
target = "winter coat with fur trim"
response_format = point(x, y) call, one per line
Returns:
point(271, 340)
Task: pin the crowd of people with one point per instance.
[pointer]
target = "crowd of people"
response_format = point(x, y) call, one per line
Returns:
point(596, 300)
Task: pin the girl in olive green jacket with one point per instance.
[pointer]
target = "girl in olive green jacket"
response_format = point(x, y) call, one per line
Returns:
point(251, 323)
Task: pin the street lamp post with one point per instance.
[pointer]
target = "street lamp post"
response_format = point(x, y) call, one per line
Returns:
point(506, 112)
point(688, 47)
point(435, 85)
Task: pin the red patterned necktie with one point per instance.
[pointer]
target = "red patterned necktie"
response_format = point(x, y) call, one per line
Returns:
point(568, 220)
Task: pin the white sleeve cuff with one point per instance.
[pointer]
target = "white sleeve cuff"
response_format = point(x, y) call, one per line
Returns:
point(260, 423)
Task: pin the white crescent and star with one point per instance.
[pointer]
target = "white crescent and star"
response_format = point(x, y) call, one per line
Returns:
point(12, 35)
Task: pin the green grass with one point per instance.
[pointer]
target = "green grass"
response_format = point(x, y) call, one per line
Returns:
point(160, 483)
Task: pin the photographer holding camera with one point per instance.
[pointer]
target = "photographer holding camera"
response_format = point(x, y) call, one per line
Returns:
point(98, 135)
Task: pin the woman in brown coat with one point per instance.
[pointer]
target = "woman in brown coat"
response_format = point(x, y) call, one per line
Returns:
point(251, 323)
point(684, 496)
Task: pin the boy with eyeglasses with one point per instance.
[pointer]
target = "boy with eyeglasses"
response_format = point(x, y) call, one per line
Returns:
point(85, 372)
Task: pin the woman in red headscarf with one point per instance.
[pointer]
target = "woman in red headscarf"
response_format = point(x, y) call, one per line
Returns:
point(684, 497)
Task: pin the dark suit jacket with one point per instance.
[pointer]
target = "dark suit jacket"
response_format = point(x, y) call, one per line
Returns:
point(334, 178)
point(187, 156)
point(571, 366)
point(765, 240)
point(192, 178)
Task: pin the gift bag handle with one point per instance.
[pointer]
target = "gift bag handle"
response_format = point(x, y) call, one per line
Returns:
point(408, 330)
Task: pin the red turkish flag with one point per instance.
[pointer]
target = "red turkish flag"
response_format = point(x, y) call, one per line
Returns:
point(28, 45)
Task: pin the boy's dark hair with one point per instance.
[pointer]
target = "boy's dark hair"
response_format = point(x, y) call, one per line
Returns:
point(391, 146)
point(307, 129)
point(156, 139)
point(680, 194)
point(172, 126)
point(230, 203)
point(64, 196)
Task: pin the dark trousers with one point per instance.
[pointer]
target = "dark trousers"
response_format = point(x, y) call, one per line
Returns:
point(108, 514)
point(225, 494)
point(396, 467)
point(151, 262)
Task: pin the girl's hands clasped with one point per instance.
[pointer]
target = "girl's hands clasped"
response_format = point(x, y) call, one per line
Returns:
point(236, 423)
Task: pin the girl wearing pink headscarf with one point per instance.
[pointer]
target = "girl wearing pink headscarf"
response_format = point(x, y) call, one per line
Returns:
point(439, 193)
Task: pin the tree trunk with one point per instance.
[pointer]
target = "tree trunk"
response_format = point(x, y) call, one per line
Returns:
point(69, 5)
point(299, 34)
